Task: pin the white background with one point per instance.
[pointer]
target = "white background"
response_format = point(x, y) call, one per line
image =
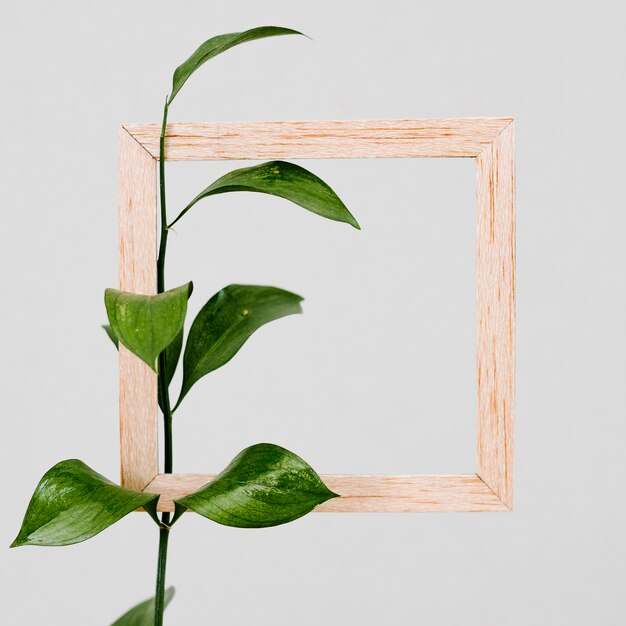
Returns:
point(377, 376)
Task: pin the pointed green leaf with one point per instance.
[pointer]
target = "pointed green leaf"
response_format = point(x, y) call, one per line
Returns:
point(216, 45)
point(111, 334)
point(265, 485)
point(146, 325)
point(143, 614)
point(226, 322)
point(285, 180)
point(73, 503)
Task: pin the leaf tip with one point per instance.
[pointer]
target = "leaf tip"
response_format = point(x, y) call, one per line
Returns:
point(108, 329)
point(22, 540)
point(352, 221)
point(284, 30)
point(332, 495)
point(326, 494)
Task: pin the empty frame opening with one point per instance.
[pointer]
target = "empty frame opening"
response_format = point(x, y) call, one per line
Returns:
point(378, 375)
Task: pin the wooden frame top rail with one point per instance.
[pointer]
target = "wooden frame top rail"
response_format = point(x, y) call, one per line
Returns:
point(488, 140)
point(321, 139)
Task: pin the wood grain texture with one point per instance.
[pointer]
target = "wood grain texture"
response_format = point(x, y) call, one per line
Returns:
point(321, 139)
point(137, 273)
point(368, 493)
point(495, 266)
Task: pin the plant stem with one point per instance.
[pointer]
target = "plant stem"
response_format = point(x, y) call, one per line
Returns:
point(163, 242)
point(159, 600)
point(164, 531)
point(163, 388)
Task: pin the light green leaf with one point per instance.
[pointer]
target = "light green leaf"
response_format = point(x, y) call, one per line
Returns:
point(226, 322)
point(216, 45)
point(73, 503)
point(111, 334)
point(265, 485)
point(285, 180)
point(143, 614)
point(146, 325)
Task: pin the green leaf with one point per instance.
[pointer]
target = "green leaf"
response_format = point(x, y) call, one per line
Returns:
point(172, 354)
point(285, 180)
point(111, 334)
point(216, 45)
point(73, 503)
point(143, 614)
point(226, 322)
point(146, 325)
point(265, 485)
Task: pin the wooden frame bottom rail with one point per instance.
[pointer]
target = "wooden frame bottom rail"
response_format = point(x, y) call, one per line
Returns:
point(368, 493)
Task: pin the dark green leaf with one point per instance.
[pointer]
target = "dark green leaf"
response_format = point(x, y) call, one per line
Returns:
point(73, 503)
point(216, 45)
point(226, 322)
point(143, 614)
point(286, 180)
point(172, 354)
point(146, 325)
point(265, 485)
point(111, 334)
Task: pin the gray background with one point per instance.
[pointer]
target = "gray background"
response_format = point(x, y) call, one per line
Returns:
point(377, 375)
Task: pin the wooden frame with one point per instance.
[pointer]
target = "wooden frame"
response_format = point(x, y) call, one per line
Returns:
point(489, 141)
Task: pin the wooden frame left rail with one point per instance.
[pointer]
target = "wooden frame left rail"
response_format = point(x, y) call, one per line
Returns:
point(490, 141)
point(137, 227)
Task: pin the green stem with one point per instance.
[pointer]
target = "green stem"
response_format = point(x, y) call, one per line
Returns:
point(164, 531)
point(163, 242)
point(159, 600)
point(163, 388)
